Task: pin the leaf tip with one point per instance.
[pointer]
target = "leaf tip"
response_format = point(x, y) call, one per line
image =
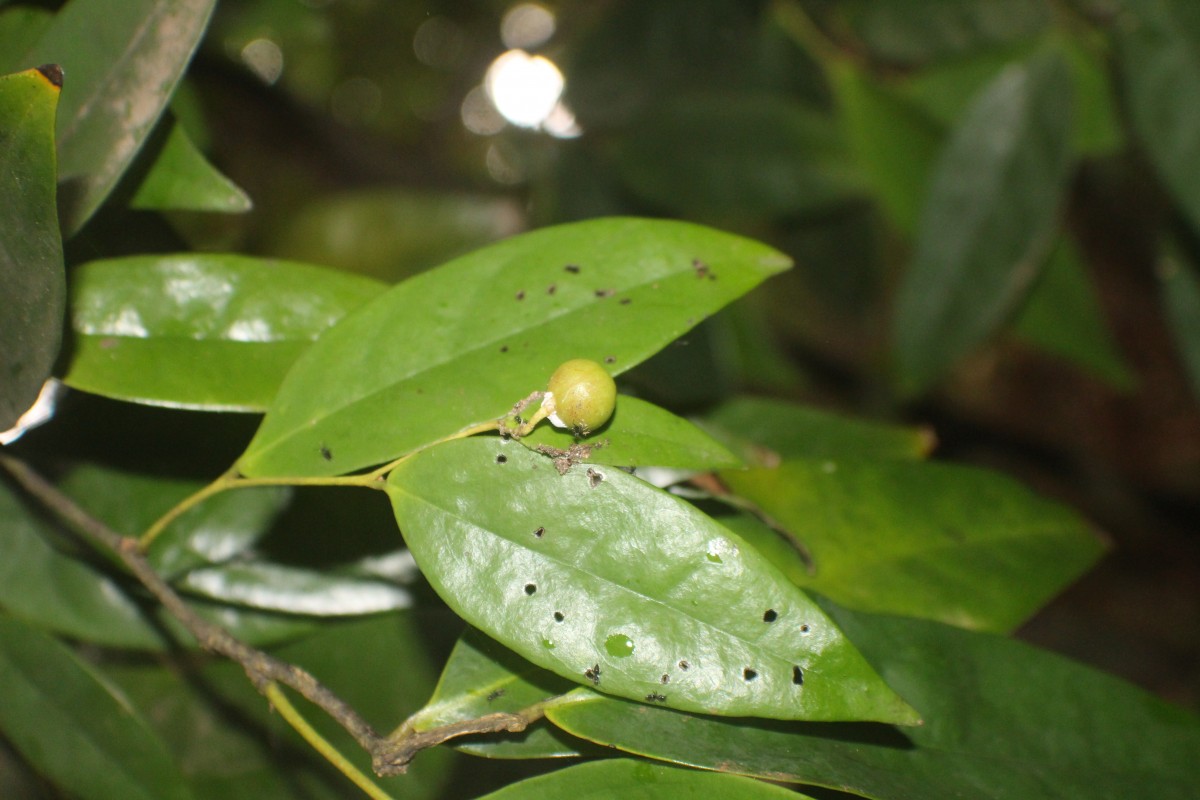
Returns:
point(52, 73)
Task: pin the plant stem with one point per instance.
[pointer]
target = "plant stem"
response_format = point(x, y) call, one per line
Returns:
point(791, 16)
point(319, 743)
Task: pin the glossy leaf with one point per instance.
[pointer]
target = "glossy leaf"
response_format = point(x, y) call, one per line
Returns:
point(608, 581)
point(1062, 315)
point(641, 434)
point(638, 780)
point(1002, 720)
point(182, 179)
point(737, 156)
point(1159, 47)
point(381, 384)
point(122, 62)
point(31, 259)
point(907, 538)
point(293, 590)
point(988, 218)
point(74, 728)
point(894, 141)
point(768, 430)
point(481, 677)
point(198, 330)
point(1181, 299)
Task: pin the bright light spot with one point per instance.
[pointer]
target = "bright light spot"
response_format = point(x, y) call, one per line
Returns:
point(526, 25)
point(524, 88)
point(265, 59)
point(561, 123)
point(355, 101)
point(39, 413)
point(479, 115)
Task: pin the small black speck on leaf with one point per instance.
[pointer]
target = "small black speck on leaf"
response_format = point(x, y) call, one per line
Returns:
point(503, 348)
point(530, 588)
point(665, 678)
point(610, 359)
point(700, 267)
point(804, 628)
point(626, 301)
point(558, 616)
point(521, 295)
point(572, 268)
point(797, 676)
point(326, 453)
point(518, 420)
point(551, 289)
point(501, 459)
point(684, 665)
point(655, 697)
point(595, 477)
point(540, 532)
point(496, 695)
point(770, 615)
point(749, 674)
point(605, 292)
point(592, 673)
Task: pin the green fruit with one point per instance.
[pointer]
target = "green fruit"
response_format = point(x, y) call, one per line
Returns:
point(584, 395)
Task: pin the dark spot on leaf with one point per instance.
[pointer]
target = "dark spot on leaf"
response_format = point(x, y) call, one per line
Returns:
point(518, 420)
point(326, 453)
point(605, 292)
point(770, 615)
point(592, 673)
point(655, 697)
point(572, 268)
point(610, 359)
point(804, 628)
point(551, 289)
point(797, 676)
point(496, 695)
point(52, 73)
point(530, 588)
point(749, 674)
point(684, 665)
point(558, 616)
point(503, 348)
point(626, 301)
point(501, 459)
point(521, 295)
point(539, 532)
point(700, 267)
point(595, 477)
point(665, 678)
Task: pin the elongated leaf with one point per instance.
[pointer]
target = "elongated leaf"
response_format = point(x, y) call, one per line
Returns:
point(606, 580)
point(291, 590)
point(79, 733)
point(1181, 298)
point(122, 61)
point(199, 330)
point(1159, 47)
point(988, 219)
point(31, 260)
point(1002, 720)
point(789, 430)
point(1062, 315)
point(908, 538)
point(641, 434)
point(182, 179)
point(460, 344)
point(637, 780)
point(481, 677)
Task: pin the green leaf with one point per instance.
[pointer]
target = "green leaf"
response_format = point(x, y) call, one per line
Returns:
point(895, 142)
point(205, 331)
point(657, 601)
point(20, 29)
point(1062, 315)
point(638, 780)
point(383, 383)
point(1002, 720)
point(122, 62)
point(765, 430)
point(480, 678)
point(1158, 42)
point(991, 208)
point(1181, 299)
point(641, 434)
point(294, 590)
point(182, 179)
point(75, 729)
point(908, 538)
point(31, 259)
point(737, 156)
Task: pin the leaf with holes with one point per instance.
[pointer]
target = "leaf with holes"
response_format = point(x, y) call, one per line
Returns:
point(601, 578)
point(460, 344)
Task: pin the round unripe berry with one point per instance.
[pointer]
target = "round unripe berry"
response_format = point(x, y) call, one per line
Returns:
point(584, 394)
